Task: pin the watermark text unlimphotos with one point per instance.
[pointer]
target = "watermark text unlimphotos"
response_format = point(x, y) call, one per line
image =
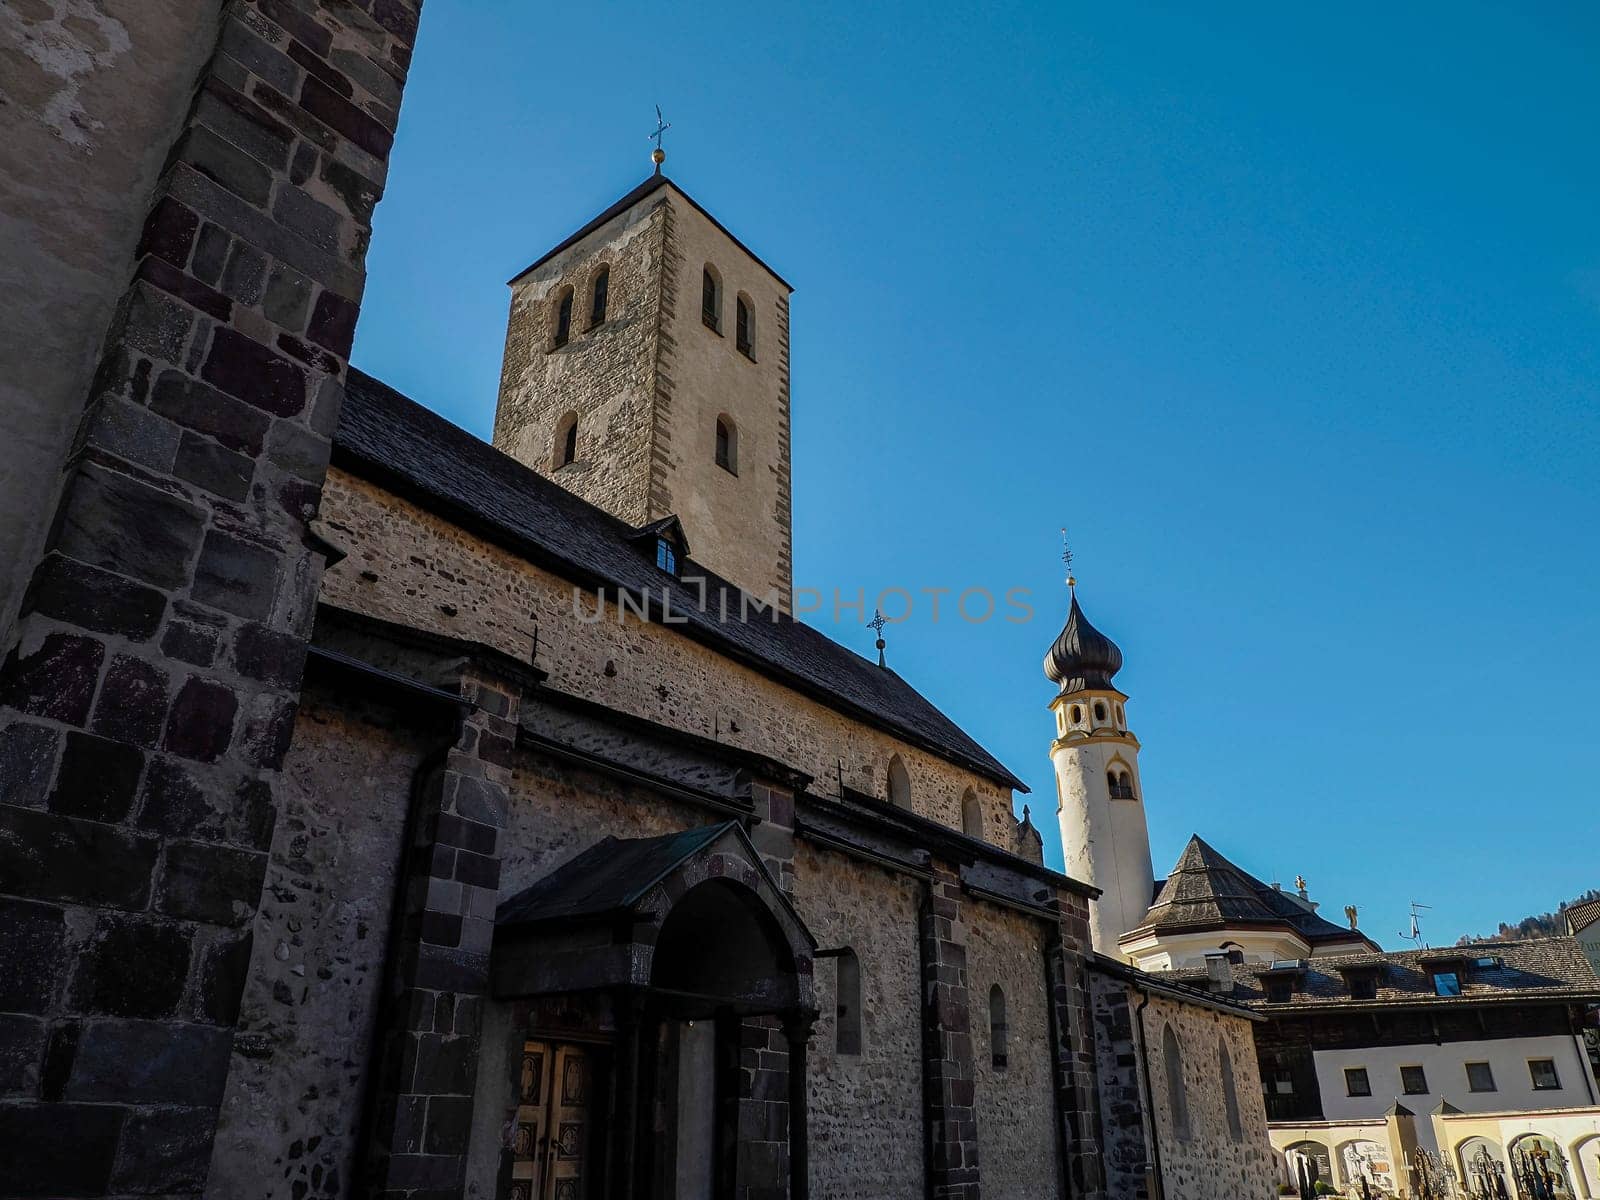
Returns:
point(671, 604)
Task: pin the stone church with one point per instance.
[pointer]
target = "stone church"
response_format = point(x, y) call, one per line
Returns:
point(388, 813)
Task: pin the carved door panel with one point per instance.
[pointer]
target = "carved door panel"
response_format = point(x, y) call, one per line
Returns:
point(569, 1125)
point(550, 1144)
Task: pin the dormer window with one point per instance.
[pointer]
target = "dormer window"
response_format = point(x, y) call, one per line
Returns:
point(1362, 981)
point(666, 556)
point(1446, 983)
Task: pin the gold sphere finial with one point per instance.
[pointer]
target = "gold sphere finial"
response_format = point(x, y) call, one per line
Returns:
point(1072, 582)
point(658, 156)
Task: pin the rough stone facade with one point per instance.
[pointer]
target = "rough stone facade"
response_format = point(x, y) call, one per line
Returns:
point(650, 382)
point(866, 1134)
point(93, 95)
point(409, 566)
point(149, 692)
point(1146, 1152)
point(1018, 1143)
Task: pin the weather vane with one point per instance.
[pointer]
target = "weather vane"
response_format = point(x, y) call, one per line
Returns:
point(877, 623)
point(1066, 560)
point(658, 155)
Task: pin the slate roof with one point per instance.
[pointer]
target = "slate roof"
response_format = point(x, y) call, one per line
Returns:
point(384, 436)
point(1546, 969)
point(610, 876)
point(1581, 916)
point(1206, 891)
point(652, 184)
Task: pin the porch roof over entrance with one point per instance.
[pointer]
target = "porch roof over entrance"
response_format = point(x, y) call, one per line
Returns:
point(611, 876)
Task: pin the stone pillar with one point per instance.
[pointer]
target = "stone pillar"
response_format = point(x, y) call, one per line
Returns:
point(427, 1065)
point(798, 1031)
point(762, 1157)
point(1072, 1039)
point(147, 704)
point(949, 1110)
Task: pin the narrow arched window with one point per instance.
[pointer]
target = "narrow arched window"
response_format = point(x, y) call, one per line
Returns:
point(597, 302)
point(1230, 1095)
point(566, 441)
point(971, 815)
point(899, 784)
point(1177, 1095)
point(847, 1004)
point(710, 299)
point(727, 445)
point(563, 318)
point(1120, 783)
point(744, 328)
point(997, 1028)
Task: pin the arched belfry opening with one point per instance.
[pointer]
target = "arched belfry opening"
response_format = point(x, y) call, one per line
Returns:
point(652, 963)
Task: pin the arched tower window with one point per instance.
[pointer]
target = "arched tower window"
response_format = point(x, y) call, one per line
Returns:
point(1230, 1096)
point(899, 784)
point(1120, 782)
point(847, 1004)
point(563, 329)
point(710, 298)
point(566, 441)
point(744, 329)
point(727, 445)
point(1177, 1096)
point(597, 301)
point(997, 1028)
point(971, 814)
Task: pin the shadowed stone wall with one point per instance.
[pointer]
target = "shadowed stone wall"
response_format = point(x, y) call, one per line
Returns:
point(148, 700)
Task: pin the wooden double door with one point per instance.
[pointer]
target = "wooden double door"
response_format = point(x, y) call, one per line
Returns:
point(551, 1156)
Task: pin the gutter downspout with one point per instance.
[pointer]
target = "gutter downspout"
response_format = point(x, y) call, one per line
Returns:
point(1158, 1182)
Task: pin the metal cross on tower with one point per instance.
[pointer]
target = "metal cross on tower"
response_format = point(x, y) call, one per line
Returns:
point(877, 623)
point(658, 155)
point(1066, 560)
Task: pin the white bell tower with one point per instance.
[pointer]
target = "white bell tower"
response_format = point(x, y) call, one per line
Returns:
point(1100, 802)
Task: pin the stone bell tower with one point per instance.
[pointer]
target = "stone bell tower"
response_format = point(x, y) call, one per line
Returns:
point(647, 370)
point(1100, 807)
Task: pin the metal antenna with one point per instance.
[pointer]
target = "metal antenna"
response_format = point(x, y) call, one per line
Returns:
point(1415, 936)
point(658, 155)
point(878, 623)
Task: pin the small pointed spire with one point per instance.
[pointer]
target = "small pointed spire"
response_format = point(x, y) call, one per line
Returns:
point(1066, 561)
point(877, 623)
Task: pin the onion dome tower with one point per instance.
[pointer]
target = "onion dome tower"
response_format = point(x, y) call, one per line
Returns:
point(1103, 832)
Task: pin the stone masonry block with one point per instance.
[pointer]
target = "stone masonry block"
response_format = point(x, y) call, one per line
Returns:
point(97, 778)
point(52, 857)
point(131, 967)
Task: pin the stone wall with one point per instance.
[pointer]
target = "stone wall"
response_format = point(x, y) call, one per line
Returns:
point(651, 381)
point(605, 374)
point(408, 566)
point(1019, 1150)
point(148, 697)
point(92, 95)
point(865, 1109)
point(738, 525)
point(290, 1118)
point(1210, 1162)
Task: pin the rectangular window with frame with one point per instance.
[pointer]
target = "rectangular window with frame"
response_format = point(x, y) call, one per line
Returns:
point(1277, 1081)
point(1413, 1081)
point(1446, 983)
point(1543, 1072)
point(1356, 1082)
point(1364, 987)
point(1279, 991)
point(1480, 1078)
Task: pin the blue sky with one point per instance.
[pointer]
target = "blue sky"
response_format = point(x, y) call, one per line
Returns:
point(1292, 317)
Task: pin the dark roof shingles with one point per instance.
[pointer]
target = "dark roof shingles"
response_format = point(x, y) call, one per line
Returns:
point(1544, 968)
point(448, 470)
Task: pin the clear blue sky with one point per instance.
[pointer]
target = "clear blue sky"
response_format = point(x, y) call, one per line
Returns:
point(1292, 317)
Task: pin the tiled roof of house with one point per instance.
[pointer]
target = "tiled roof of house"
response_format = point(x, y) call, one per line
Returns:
point(396, 442)
point(1550, 969)
point(1206, 891)
point(1581, 916)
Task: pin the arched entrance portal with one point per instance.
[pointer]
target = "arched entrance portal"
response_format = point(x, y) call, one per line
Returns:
point(651, 963)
